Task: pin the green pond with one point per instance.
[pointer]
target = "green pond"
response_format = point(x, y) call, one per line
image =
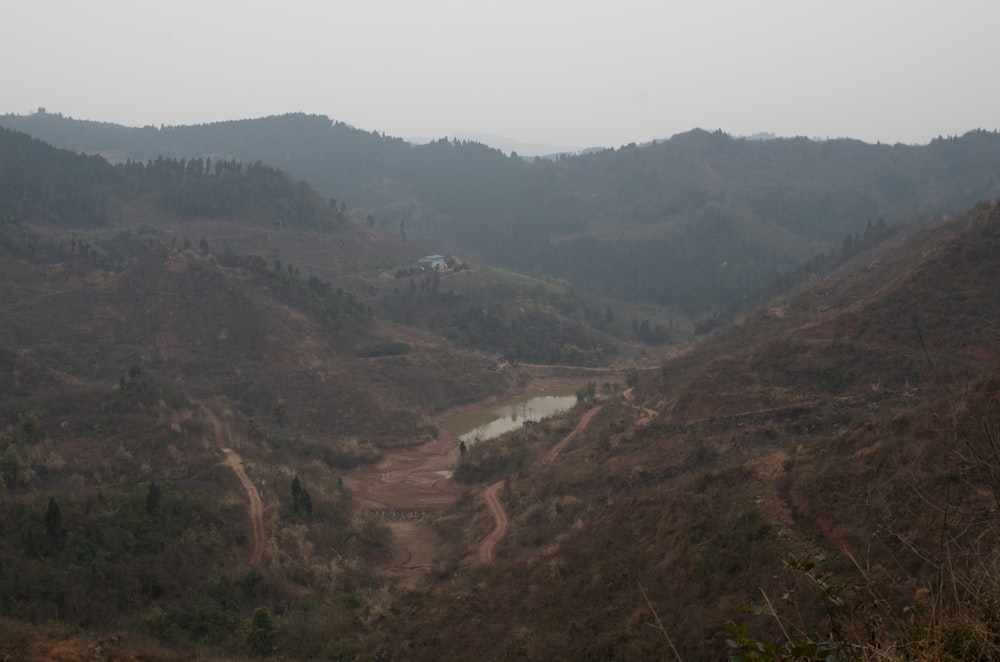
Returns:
point(478, 425)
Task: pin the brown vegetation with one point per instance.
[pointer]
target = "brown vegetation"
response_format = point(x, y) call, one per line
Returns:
point(862, 438)
point(853, 425)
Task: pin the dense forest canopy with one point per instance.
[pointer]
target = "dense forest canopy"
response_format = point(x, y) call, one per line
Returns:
point(697, 223)
point(67, 189)
point(50, 185)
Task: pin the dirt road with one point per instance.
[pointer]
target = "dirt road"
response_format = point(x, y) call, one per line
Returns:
point(581, 424)
point(235, 462)
point(647, 414)
point(488, 546)
point(256, 505)
point(420, 478)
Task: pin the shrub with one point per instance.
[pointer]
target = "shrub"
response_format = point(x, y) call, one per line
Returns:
point(387, 348)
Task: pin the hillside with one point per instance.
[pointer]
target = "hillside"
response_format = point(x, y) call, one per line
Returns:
point(180, 420)
point(697, 223)
point(126, 392)
point(860, 439)
point(113, 213)
point(221, 439)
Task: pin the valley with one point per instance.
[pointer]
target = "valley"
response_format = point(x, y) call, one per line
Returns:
point(224, 437)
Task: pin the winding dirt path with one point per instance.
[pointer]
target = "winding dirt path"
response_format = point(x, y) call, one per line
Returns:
point(647, 414)
point(581, 424)
point(235, 462)
point(420, 477)
point(256, 505)
point(488, 546)
point(491, 494)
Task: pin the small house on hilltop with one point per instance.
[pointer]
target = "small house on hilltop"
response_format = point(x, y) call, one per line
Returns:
point(435, 262)
point(497, 361)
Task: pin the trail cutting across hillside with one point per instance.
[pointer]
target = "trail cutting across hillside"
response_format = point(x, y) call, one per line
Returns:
point(235, 462)
point(488, 546)
point(580, 425)
point(647, 414)
point(419, 478)
point(256, 506)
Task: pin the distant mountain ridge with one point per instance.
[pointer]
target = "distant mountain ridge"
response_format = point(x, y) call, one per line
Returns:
point(851, 424)
point(60, 187)
point(697, 223)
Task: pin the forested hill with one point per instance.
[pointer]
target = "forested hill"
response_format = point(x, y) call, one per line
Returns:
point(698, 222)
point(47, 184)
point(63, 188)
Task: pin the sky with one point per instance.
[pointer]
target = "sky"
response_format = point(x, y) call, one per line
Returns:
point(569, 73)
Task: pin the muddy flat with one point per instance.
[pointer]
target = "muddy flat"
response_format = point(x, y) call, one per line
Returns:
point(418, 477)
point(415, 547)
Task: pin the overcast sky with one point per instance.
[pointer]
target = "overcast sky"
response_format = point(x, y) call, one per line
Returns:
point(569, 73)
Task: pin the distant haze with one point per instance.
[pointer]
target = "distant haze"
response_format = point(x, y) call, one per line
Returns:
point(556, 73)
point(510, 145)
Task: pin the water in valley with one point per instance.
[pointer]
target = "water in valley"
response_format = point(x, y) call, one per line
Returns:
point(478, 425)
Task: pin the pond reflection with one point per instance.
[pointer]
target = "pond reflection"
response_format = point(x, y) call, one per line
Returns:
point(481, 424)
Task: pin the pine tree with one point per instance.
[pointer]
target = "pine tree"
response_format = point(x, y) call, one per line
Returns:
point(55, 534)
point(305, 502)
point(301, 501)
point(11, 466)
point(261, 632)
point(153, 498)
point(296, 494)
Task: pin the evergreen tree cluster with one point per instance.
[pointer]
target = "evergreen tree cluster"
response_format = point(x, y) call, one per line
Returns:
point(291, 286)
point(54, 186)
point(97, 556)
point(199, 188)
point(531, 326)
point(62, 188)
point(301, 501)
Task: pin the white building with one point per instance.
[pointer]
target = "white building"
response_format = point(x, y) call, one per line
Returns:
point(435, 262)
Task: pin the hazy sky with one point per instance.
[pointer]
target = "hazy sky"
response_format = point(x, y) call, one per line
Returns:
point(571, 73)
